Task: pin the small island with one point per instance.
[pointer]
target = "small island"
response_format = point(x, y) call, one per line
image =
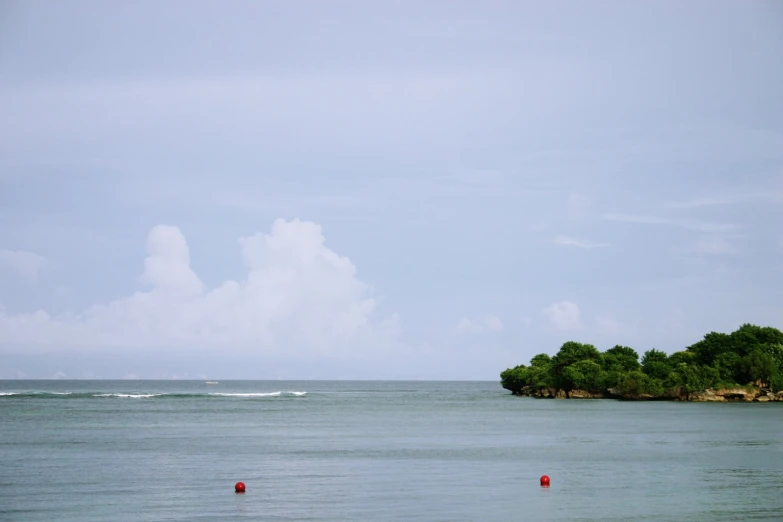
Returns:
point(745, 365)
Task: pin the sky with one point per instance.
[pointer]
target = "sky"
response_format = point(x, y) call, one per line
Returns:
point(382, 190)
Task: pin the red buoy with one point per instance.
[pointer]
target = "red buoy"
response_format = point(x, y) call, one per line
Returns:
point(239, 487)
point(544, 481)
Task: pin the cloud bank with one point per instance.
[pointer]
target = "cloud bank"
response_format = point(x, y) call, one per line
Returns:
point(298, 298)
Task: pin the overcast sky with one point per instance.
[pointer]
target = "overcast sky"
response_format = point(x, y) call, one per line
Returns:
point(382, 190)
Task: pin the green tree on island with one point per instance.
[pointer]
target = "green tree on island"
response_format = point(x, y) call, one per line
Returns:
point(752, 356)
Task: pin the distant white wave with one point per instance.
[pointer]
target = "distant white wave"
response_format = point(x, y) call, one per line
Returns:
point(272, 394)
point(129, 395)
point(259, 394)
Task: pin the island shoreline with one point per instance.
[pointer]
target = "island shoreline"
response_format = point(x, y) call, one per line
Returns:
point(743, 366)
point(708, 395)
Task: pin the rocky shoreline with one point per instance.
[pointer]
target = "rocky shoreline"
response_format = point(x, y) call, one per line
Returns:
point(677, 394)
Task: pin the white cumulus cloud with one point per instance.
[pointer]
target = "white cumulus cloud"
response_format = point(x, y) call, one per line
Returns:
point(168, 262)
point(298, 297)
point(564, 315)
point(22, 263)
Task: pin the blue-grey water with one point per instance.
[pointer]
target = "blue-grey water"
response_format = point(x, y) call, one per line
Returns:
point(413, 451)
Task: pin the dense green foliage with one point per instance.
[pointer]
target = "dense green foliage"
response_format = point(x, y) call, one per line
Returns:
point(752, 355)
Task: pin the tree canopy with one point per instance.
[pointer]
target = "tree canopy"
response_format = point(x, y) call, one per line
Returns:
point(751, 355)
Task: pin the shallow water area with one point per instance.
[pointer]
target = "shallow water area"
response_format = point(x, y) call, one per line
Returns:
point(371, 450)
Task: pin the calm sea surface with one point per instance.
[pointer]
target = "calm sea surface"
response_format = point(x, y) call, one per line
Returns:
point(369, 451)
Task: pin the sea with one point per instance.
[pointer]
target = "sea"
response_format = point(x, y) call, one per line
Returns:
point(376, 451)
